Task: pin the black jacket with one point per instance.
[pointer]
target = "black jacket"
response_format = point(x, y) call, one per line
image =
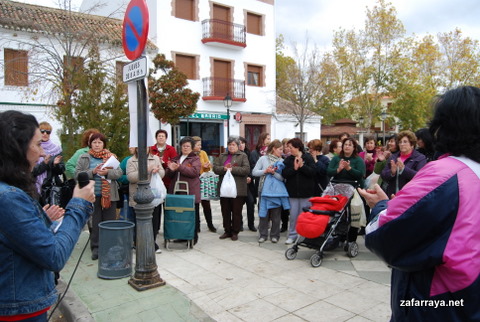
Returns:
point(300, 183)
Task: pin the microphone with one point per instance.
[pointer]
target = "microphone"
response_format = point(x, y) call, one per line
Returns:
point(83, 179)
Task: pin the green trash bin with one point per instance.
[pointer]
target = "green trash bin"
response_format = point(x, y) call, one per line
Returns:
point(115, 249)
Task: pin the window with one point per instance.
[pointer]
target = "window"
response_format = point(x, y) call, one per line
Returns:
point(254, 24)
point(185, 9)
point(16, 67)
point(187, 65)
point(254, 75)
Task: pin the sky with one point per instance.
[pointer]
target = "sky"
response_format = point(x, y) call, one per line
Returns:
point(315, 20)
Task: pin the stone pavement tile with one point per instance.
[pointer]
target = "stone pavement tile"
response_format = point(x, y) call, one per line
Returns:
point(322, 311)
point(370, 265)
point(314, 287)
point(258, 310)
point(352, 302)
point(232, 297)
point(380, 313)
point(373, 290)
point(226, 316)
point(378, 277)
point(263, 287)
point(359, 318)
point(290, 318)
point(290, 300)
point(341, 279)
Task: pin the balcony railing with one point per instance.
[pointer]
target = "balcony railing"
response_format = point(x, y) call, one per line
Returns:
point(214, 30)
point(216, 88)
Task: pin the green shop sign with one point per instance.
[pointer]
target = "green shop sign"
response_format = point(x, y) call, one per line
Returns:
point(209, 116)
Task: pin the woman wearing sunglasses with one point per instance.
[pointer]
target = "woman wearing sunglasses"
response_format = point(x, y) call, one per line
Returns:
point(51, 165)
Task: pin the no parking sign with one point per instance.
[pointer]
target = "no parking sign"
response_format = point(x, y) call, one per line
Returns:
point(135, 29)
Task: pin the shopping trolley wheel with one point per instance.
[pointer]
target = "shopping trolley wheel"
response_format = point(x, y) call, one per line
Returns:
point(291, 253)
point(352, 249)
point(316, 260)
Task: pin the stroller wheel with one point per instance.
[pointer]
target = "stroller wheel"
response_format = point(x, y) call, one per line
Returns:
point(352, 249)
point(291, 253)
point(316, 260)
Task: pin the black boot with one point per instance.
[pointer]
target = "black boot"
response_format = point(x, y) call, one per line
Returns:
point(208, 218)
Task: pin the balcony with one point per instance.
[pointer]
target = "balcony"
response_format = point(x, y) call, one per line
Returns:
point(216, 88)
point(223, 34)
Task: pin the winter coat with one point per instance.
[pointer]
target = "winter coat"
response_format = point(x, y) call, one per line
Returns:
point(356, 173)
point(413, 163)
point(188, 171)
point(132, 174)
point(240, 170)
point(300, 183)
point(429, 235)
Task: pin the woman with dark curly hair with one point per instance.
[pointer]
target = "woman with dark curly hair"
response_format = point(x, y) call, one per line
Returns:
point(428, 233)
point(31, 250)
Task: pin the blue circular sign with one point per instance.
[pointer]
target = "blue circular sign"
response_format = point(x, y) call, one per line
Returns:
point(135, 29)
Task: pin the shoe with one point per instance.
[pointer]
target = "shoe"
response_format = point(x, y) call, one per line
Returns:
point(289, 241)
point(94, 254)
point(261, 240)
point(225, 235)
point(252, 228)
point(195, 240)
point(274, 240)
point(241, 228)
point(234, 237)
point(158, 251)
point(283, 229)
point(212, 229)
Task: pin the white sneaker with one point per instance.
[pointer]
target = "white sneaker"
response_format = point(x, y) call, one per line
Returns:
point(261, 240)
point(158, 251)
point(289, 241)
point(274, 240)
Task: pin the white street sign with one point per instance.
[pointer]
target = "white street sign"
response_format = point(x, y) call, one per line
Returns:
point(135, 70)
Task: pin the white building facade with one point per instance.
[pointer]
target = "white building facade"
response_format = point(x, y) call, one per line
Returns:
point(225, 47)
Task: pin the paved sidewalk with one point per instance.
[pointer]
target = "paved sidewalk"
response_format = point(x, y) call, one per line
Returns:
point(224, 280)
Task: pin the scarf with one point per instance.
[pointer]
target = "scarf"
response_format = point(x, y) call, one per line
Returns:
point(104, 155)
point(52, 149)
point(271, 160)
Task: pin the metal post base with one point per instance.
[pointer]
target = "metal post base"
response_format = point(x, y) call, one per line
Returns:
point(146, 281)
point(146, 275)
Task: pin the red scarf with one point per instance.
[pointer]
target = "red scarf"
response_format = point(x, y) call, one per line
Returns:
point(104, 155)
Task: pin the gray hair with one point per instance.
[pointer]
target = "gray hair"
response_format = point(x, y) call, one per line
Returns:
point(233, 139)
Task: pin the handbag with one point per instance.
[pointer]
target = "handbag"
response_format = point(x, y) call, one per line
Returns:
point(57, 191)
point(158, 189)
point(228, 189)
point(357, 211)
point(208, 186)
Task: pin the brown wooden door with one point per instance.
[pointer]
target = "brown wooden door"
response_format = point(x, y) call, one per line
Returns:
point(222, 27)
point(222, 78)
point(252, 132)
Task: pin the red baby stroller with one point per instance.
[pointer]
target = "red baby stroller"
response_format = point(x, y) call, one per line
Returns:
point(329, 215)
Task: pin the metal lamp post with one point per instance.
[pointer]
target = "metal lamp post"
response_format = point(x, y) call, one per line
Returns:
point(383, 117)
point(146, 274)
point(227, 102)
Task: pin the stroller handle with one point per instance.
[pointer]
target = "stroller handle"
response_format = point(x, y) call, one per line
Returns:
point(319, 212)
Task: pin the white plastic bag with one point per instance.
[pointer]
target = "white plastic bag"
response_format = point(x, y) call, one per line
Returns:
point(158, 189)
point(357, 211)
point(228, 189)
point(371, 180)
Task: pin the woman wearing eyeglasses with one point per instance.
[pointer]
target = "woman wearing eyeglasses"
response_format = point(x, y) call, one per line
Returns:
point(51, 165)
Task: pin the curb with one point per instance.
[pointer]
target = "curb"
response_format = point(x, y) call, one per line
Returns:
point(72, 307)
